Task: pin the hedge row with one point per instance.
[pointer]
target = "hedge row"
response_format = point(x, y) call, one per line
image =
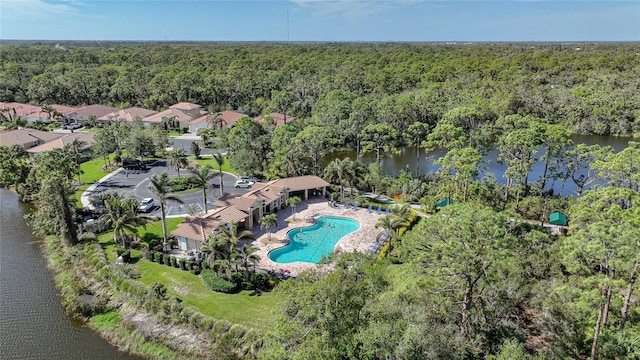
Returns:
point(168, 260)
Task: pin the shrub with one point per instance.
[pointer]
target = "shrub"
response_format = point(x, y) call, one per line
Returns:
point(126, 256)
point(261, 281)
point(166, 259)
point(87, 237)
point(216, 283)
point(96, 226)
point(181, 264)
point(155, 244)
point(172, 261)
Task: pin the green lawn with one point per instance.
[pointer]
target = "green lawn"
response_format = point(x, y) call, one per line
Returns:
point(91, 172)
point(208, 161)
point(246, 308)
point(152, 230)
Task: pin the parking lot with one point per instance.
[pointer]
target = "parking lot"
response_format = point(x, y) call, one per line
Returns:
point(137, 182)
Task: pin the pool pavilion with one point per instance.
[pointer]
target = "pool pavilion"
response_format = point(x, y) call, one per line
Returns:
point(247, 210)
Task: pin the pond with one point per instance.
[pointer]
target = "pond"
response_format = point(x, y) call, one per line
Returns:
point(406, 160)
point(32, 321)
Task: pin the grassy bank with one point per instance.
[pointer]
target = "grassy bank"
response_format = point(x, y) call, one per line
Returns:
point(136, 317)
point(246, 308)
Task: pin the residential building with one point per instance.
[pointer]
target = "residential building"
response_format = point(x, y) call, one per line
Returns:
point(85, 137)
point(28, 138)
point(195, 230)
point(198, 123)
point(126, 115)
point(247, 210)
point(90, 112)
point(169, 114)
point(190, 109)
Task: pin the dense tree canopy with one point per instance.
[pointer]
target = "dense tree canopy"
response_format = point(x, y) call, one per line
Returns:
point(590, 90)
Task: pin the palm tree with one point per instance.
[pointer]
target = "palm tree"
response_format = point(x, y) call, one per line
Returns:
point(177, 159)
point(159, 185)
point(11, 119)
point(51, 112)
point(201, 176)
point(121, 214)
point(402, 214)
point(219, 159)
point(294, 202)
point(215, 120)
point(390, 224)
point(247, 256)
point(267, 222)
point(232, 236)
point(74, 149)
point(355, 175)
point(216, 248)
point(338, 171)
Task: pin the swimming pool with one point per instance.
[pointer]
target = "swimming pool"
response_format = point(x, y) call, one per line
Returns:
point(311, 243)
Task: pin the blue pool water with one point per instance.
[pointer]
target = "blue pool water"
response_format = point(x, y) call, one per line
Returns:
point(310, 244)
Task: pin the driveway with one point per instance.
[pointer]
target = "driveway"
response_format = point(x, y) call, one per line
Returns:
point(137, 182)
point(184, 142)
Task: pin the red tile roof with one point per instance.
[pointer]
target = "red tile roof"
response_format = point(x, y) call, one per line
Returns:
point(194, 227)
point(199, 119)
point(129, 114)
point(59, 143)
point(298, 183)
point(26, 137)
point(169, 113)
point(91, 110)
point(185, 106)
point(230, 117)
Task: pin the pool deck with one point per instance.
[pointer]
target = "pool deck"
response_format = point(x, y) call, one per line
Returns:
point(359, 240)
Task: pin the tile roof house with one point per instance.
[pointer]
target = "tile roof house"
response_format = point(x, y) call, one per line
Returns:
point(31, 113)
point(194, 230)
point(199, 123)
point(88, 112)
point(28, 138)
point(158, 118)
point(59, 143)
point(247, 210)
point(276, 118)
point(191, 109)
point(229, 117)
point(64, 110)
point(28, 112)
point(128, 115)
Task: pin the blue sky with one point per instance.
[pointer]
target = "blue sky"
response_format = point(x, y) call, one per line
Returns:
point(321, 20)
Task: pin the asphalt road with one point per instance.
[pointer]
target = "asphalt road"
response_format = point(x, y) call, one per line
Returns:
point(137, 182)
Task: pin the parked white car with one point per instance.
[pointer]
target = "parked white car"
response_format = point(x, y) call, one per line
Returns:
point(146, 205)
point(243, 184)
point(72, 126)
point(248, 179)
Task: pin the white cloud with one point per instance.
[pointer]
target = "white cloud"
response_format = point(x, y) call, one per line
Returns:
point(352, 10)
point(34, 9)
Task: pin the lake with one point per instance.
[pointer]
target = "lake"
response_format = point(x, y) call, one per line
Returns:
point(394, 164)
point(33, 324)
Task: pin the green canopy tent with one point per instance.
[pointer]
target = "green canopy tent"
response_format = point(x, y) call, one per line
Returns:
point(558, 218)
point(444, 202)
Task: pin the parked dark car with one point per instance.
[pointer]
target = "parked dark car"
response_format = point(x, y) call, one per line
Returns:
point(133, 164)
